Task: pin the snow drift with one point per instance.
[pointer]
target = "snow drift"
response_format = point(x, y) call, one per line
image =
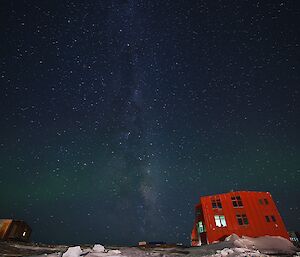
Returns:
point(265, 244)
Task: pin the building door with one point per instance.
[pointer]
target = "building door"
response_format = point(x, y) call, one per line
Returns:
point(201, 233)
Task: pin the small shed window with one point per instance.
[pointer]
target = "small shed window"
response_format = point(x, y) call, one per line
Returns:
point(273, 218)
point(266, 201)
point(236, 201)
point(267, 218)
point(220, 221)
point(260, 201)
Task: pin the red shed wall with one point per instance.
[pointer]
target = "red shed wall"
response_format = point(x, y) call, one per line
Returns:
point(14, 230)
point(255, 212)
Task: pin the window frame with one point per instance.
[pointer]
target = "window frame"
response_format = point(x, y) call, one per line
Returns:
point(219, 204)
point(237, 201)
point(239, 219)
point(221, 220)
point(216, 203)
point(245, 219)
point(242, 219)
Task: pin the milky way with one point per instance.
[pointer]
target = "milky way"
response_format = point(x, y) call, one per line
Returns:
point(116, 116)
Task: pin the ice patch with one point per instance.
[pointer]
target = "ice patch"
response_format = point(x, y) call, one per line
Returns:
point(98, 248)
point(73, 252)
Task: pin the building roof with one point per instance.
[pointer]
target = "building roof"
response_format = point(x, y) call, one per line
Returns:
point(263, 192)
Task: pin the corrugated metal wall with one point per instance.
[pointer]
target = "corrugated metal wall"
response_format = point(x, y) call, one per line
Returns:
point(257, 212)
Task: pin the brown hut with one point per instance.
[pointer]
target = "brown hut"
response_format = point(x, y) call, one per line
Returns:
point(14, 230)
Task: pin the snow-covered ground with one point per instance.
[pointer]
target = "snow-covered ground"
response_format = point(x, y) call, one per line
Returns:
point(233, 246)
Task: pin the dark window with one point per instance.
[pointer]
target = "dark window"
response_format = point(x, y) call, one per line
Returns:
point(266, 201)
point(267, 218)
point(198, 212)
point(236, 201)
point(242, 219)
point(239, 219)
point(260, 201)
point(216, 204)
point(273, 218)
point(219, 204)
point(245, 219)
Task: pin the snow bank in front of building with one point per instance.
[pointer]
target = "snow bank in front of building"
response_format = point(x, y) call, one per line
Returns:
point(235, 246)
point(264, 244)
point(238, 252)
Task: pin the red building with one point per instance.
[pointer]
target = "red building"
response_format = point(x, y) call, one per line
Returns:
point(243, 213)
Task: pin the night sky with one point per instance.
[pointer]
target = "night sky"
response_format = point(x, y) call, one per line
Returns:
point(116, 116)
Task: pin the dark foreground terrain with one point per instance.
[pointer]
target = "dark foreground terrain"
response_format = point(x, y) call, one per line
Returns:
point(234, 247)
point(28, 249)
point(16, 249)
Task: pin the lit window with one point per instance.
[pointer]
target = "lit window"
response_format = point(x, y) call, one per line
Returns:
point(24, 233)
point(201, 227)
point(267, 218)
point(242, 219)
point(236, 201)
point(216, 204)
point(220, 221)
point(266, 201)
